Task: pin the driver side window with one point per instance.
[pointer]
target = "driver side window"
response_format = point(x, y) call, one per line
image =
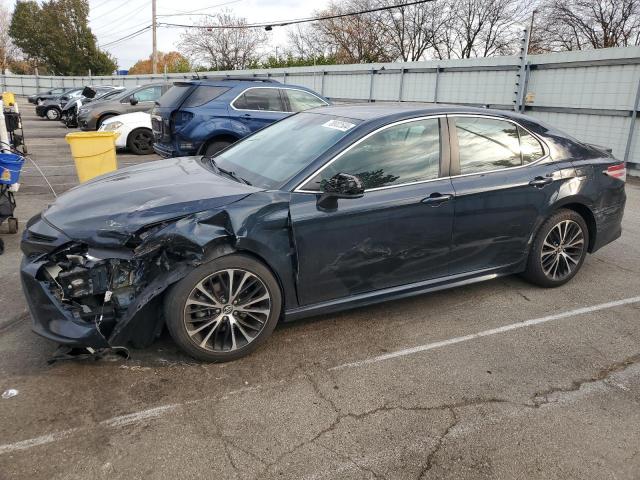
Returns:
point(148, 94)
point(404, 153)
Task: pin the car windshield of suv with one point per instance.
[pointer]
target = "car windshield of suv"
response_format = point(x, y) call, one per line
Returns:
point(273, 155)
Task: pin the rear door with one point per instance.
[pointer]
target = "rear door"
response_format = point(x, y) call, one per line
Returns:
point(502, 185)
point(258, 107)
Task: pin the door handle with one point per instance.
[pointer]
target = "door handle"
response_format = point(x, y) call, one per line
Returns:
point(247, 115)
point(540, 182)
point(437, 199)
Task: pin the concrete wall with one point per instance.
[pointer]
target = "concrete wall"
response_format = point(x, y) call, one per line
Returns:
point(589, 94)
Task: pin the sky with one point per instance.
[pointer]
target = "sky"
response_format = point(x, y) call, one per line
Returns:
point(112, 19)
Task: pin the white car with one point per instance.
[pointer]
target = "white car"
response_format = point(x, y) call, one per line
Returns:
point(134, 129)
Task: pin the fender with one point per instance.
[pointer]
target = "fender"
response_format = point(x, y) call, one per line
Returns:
point(215, 127)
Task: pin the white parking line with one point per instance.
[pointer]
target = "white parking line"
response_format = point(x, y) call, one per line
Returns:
point(486, 333)
point(135, 417)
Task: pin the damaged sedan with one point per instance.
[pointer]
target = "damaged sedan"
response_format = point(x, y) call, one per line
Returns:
point(333, 208)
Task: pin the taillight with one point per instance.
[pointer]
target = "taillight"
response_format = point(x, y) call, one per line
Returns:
point(179, 118)
point(618, 171)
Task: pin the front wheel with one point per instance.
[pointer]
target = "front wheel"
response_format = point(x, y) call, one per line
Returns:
point(224, 309)
point(559, 249)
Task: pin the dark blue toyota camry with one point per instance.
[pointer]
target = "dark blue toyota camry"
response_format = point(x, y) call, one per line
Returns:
point(333, 208)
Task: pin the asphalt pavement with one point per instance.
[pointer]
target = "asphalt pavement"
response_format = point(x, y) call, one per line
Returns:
point(499, 380)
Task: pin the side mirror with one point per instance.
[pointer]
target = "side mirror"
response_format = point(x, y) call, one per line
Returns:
point(341, 185)
point(133, 100)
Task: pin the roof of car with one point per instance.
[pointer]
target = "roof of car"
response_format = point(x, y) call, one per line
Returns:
point(371, 111)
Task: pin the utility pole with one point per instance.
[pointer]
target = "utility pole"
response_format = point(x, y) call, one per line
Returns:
point(154, 55)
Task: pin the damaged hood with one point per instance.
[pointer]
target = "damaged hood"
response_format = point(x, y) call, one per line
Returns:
point(108, 209)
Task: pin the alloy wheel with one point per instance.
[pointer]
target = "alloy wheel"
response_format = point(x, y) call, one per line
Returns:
point(52, 114)
point(142, 141)
point(227, 310)
point(562, 250)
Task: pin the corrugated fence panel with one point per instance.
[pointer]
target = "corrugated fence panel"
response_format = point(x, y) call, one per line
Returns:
point(602, 130)
point(590, 94)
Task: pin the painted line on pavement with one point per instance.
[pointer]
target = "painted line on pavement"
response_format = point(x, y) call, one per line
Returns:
point(486, 333)
point(135, 417)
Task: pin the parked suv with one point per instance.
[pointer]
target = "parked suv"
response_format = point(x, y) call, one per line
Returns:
point(204, 116)
point(137, 99)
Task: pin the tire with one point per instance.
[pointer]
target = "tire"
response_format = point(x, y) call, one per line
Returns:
point(215, 147)
point(52, 114)
point(102, 119)
point(213, 333)
point(140, 141)
point(558, 250)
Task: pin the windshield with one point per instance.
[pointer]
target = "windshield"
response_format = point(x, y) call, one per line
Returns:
point(275, 154)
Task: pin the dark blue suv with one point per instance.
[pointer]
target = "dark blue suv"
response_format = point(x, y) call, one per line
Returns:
point(204, 116)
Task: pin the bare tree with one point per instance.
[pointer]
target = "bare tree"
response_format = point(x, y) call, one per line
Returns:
point(582, 24)
point(354, 38)
point(481, 28)
point(8, 51)
point(228, 45)
point(410, 30)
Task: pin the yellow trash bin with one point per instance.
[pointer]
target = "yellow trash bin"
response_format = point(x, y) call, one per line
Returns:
point(93, 152)
point(8, 99)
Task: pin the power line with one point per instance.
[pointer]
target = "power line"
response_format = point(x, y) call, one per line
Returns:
point(121, 17)
point(284, 23)
point(127, 37)
point(191, 12)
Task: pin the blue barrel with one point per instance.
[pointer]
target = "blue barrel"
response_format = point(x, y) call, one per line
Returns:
point(10, 166)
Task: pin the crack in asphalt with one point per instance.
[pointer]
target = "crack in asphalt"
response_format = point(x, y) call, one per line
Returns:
point(541, 398)
point(537, 400)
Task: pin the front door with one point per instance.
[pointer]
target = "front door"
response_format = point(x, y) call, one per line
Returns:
point(397, 233)
point(502, 185)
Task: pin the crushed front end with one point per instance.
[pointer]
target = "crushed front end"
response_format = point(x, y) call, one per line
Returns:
point(96, 297)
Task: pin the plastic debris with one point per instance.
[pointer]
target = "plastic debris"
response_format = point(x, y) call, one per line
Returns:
point(12, 392)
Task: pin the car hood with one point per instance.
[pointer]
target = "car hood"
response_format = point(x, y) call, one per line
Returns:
point(109, 209)
point(131, 118)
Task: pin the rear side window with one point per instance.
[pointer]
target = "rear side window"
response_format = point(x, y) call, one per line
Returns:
point(486, 144)
point(204, 94)
point(530, 147)
point(266, 99)
point(148, 94)
point(174, 96)
point(300, 100)
point(404, 153)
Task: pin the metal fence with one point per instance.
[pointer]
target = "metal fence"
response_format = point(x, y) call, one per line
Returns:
point(593, 95)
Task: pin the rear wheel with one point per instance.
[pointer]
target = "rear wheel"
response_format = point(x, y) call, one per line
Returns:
point(140, 141)
point(215, 147)
point(558, 250)
point(52, 113)
point(224, 309)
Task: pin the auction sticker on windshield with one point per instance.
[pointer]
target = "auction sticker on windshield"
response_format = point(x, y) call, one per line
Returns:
point(338, 125)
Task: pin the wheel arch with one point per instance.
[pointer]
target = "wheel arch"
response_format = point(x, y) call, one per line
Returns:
point(585, 212)
point(222, 136)
point(104, 115)
point(223, 247)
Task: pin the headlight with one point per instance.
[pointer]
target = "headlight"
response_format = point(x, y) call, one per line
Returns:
point(83, 110)
point(106, 127)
